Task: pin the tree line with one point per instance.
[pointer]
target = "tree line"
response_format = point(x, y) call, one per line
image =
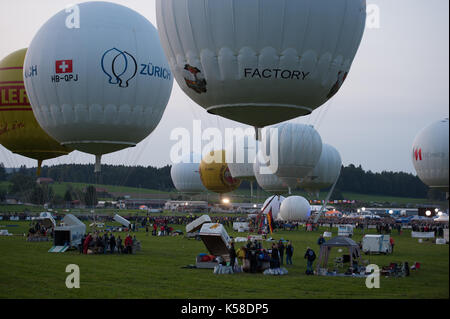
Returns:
point(352, 179)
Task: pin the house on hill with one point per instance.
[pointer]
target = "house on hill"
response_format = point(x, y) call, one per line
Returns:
point(45, 180)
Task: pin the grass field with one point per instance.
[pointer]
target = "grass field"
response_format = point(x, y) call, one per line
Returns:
point(27, 270)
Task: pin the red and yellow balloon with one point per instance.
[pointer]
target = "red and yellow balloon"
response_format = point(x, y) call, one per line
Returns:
point(19, 131)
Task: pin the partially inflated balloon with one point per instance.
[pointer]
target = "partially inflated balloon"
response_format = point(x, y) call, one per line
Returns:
point(261, 62)
point(102, 87)
point(215, 174)
point(430, 155)
point(19, 131)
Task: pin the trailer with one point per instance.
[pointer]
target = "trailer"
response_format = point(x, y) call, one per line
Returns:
point(216, 240)
point(68, 234)
point(345, 230)
point(376, 244)
point(197, 224)
point(241, 227)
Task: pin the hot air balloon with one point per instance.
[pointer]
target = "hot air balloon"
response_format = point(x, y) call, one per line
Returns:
point(102, 87)
point(293, 150)
point(273, 204)
point(260, 62)
point(430, 155)
point(267, 180)
point(215, 174)
point(325, 173)
point(19, 131)
point(295, 208)
point(186, 175)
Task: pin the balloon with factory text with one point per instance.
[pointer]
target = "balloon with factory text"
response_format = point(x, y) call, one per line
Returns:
point(19, 131)
point(102, 87)
point(325, 173)
point(430, 155)
point(292, 151)
point(260, 62)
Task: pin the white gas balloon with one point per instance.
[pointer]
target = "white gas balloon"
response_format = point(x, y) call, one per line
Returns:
point(325, 173)
point(186, 175)
point(273, 204)
point(101, 86)
point(267, 180)
point(292, 150)
point(261, 62)
point(295, 208)
point(430, 155)
point(240, 157)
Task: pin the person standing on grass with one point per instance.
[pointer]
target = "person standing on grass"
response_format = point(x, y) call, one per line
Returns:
point(233, 255)
point(119, 245)
point(129, 244)
point(310, 256)
point(321, 240)
point(391, 240)
point(112, 243)
point(281, 249)
point(289, 253)
point(105, 243)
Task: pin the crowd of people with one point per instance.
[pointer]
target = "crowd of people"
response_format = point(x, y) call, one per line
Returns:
point(255, 258)
point(38, 230)
point(97, 243)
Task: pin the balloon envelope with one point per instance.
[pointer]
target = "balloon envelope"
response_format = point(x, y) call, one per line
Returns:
point(215, 174)
point(293, 150)
point(273, 204)
point(430, 155)
point(102, 87)
point(326, 171)
point(186, 176)
point(260, 62)
point(19, 130)
point(267, 180)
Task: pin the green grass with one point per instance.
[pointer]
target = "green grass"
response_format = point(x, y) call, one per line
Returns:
point(27, 270)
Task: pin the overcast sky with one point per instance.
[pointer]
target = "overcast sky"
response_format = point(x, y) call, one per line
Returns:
point(398, 84)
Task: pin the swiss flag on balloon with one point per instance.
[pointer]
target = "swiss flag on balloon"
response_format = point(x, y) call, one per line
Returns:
point(64, 66)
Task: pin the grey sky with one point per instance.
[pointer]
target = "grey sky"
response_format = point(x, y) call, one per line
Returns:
point(398, 84)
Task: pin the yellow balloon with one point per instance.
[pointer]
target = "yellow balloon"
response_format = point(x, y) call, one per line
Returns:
point(19, 131)
point(215, 174)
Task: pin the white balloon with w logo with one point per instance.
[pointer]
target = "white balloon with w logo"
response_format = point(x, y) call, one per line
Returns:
point(101, 87)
